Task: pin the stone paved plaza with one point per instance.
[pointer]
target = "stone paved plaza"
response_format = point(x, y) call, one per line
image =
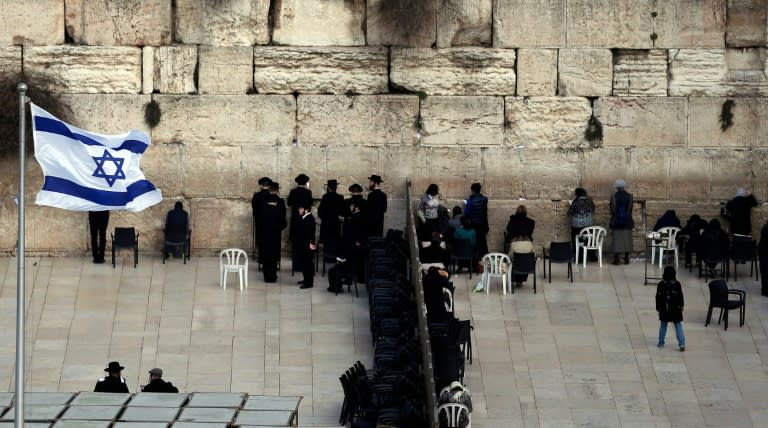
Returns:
point(581, 354)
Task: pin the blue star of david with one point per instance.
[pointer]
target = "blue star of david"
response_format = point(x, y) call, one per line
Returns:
point(100, 173)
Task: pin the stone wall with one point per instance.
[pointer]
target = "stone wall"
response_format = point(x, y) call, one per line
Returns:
point(450, 92)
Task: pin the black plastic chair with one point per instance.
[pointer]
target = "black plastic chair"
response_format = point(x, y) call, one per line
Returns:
point(525, 263)
point(743, 251)
point(463, 251)
point(126, 237)
point(558, 252)
point(177, 242)
point(464, 339)
point(719, 297)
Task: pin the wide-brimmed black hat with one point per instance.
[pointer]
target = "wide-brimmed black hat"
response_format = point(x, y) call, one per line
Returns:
point(274, 186)
point(301, 179)
point(355, 188)
point(114, 367)
point(375, 178)
point(332, 184)
point(264, 181)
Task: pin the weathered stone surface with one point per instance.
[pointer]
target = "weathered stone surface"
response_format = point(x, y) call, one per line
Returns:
point(162, 165)
point(223, 223)
point(609, 23)
point(731, 169)
point(32, 22)
point(211, 171)
point(746, 23)
point(231, 119)
point(584, 72)
point(10, 62)
point(350, 167)
point(47, 235)
point(547, 122)
point(326, 23)
point(536, 72)
point(324, 70)
point(457, 167)
point(397, 162)
point(258, 161)
point(309, 159)
point(464, 23)
point(147, 70)
point(750, 123)
point(502, 172)
point(689, 174)
point(401, 23)
point(639, 122)
point(649, 171)
point(174, 69)
point(119, 22)
point(548, 174)
point(529, 23)
point(601, 168)
point(690, 23)
point(217, 23)
point(640, 73)
point(454, 71)
point(84, 69)
point(450, 121)
point(359, 120)
point(106, 114)
point(718, 72)
point(225, 70)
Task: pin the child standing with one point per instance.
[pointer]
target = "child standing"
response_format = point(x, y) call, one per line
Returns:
point(669, 304)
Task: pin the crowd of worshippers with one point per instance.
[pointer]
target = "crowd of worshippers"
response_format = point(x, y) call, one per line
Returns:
point(345, 226)
point(114, 382)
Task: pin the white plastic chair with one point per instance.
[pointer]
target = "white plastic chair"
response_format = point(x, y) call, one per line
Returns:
point(497, 265)
point(233, 260)
point(668, 242)
point(590, 238)
point(453, 412)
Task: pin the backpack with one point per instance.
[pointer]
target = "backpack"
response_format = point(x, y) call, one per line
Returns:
point(621, 217)
point(665, 300)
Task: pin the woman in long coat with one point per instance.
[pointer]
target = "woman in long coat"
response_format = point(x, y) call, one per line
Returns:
point(621, 222)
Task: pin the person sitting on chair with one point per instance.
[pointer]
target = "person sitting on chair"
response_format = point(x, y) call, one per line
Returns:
point(176, 226)
point(714, 242)
point(520, 234)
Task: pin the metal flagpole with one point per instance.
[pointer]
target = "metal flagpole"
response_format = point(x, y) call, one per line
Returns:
point(20, 293)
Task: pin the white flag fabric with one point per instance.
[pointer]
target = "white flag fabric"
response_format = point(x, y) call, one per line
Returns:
point(86, 171)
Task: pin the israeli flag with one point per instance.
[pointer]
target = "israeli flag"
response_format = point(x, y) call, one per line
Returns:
point(85, 171)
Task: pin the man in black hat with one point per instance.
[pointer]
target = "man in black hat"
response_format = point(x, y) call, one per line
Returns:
point(271, 231)
point(113, 382)
point(330, 209)
point(157, 384)
point(304, 245)
point(256, 203)
point(298, 196)
point(356, 191)
point(377, 206)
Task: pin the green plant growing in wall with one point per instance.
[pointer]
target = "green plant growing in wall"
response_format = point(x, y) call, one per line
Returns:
point(726, 115)
point(594, 131)
point(152, 114)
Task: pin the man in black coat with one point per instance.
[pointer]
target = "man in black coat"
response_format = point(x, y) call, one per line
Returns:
point(98, 221)
point(330, 210)
point(157, 384)
point(297, 197)
point(377, 206)
point(256, 203)
point(356, 191)
point(271, 228)
point(739, 212)
point(304, 245)
point(112, 382)
point(176, 226)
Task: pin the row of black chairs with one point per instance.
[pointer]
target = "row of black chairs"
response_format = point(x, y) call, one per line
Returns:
point(713, 262)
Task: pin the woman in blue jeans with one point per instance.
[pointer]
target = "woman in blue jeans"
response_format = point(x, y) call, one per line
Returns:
point(669, 304)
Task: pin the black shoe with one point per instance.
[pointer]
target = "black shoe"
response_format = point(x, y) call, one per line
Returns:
point(333, 290)
point(99, 261)
point(300, 282)
point(305, 286)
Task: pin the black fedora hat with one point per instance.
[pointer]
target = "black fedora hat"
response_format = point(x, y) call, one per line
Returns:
point(114, 367)
point(375, 178)
point(355, 188)
point(332, 184)
point(301, 179)
point(274, 185)
point(264, 181)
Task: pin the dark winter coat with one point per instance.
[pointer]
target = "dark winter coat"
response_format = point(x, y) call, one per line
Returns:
point(377, 206)
point(297, 197)
point(159, 385)
point(331, 207)
point(111, 384)
point(739, 211)
point(476, 211)
point(622, 198)
point(271, 225)
point(520, 227)
point(671, 311)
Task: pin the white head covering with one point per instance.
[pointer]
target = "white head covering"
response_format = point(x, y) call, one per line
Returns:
point(741, 192)
point(619, 184)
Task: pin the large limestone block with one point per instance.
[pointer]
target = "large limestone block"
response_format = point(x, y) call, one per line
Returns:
point(649, 173)
point(217, 23)
point(229, 119)
point(258, 161)
point(529, 23)
point(548, 174)
point(174, 69)
point(464, 23)
point(454, 71)
point(640, 72)
point(502, 172)
point(609, 23)
point(32, 22)
point(746, 23)
point(319, 23)
point(454, 169)
point(352, 166)
point(401, 22)
point(641, 122)
point(10, 63)
point(600, 169)
point(211, 170)
point(584, 72)
point(547, 122)
point(690, 24)
point(395, 163)
point(718, 72)
point(449, 121)
point(689, 174)
point(161, 165)
point(357, 120)
point(308, 159)
point(536, 72)
point(67, 232)
point(730, 169)
point(224, 223)
point(105, 114)
point(84, 69)
point(323, 70)
point(749, 129)
point(225, 70)
point(119, 22)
